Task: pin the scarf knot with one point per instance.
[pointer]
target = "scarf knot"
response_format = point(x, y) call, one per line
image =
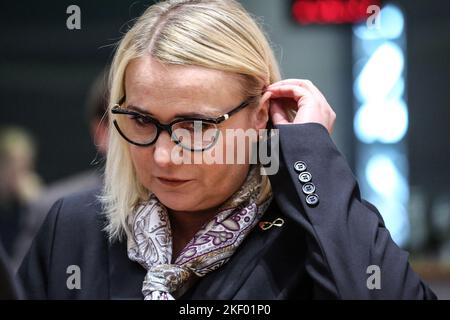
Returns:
point(161, 280)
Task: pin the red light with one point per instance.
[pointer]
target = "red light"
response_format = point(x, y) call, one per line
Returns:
point(331, 11)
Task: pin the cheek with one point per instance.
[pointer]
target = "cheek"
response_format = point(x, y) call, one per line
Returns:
point(141, 159)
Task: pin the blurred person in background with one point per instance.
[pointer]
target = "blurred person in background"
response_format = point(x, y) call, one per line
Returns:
point(96, 106)
point(19, 183)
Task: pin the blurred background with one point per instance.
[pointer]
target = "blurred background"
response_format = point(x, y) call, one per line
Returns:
point(386, 73)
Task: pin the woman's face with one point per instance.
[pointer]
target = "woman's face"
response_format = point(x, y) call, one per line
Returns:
point(168, 91)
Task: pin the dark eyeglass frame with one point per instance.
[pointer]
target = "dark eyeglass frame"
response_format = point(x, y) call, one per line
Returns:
point(117, 109)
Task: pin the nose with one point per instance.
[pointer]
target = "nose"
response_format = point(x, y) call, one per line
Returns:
point(162, 149)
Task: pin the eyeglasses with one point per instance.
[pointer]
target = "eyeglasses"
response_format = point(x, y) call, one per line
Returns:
point(194, 134)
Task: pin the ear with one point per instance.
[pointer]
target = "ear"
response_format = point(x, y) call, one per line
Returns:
point(262, 112)
point(100, 134)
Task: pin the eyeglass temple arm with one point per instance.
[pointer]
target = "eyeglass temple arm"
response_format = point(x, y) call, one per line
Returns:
point(222, 118)
point(237, 109)
point(122, 100)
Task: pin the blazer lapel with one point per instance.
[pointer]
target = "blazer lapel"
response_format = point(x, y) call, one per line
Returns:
point(125, 276)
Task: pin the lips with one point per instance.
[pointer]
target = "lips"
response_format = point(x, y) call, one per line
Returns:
point(171, 181)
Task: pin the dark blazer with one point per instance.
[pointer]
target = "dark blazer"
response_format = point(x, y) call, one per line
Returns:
point(321, 252)
point(9, 287)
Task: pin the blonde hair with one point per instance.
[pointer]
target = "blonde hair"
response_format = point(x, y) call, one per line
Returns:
point(216, 34)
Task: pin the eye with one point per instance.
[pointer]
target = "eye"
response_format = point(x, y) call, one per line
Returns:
point(195, 125)
point(140, 120)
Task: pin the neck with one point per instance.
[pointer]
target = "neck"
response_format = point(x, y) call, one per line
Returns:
point(185, 224)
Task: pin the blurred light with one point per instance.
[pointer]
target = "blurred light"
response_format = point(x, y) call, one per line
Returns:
point(381, 118)
point(385, 179)
point(392, 22)
point(395, 218)
point(382, 121)
point(398, 90)
point(381, 73)
point(331, 11)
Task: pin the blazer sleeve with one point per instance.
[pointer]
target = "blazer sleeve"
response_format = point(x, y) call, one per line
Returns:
point(345, 235)
point(34, 272)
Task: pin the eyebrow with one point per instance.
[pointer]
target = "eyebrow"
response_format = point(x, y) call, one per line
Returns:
point(178, 115)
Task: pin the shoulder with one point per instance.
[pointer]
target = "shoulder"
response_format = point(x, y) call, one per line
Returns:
point(76, 226)
point(83, 203)
point(78, 212)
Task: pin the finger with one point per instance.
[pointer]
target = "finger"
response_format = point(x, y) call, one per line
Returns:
point(278, 114)
point(266, 96)
point(320, 98)
point(315, 90)
point(296, 82)
point(305, 83)
point(318, 95)
point(289, 91)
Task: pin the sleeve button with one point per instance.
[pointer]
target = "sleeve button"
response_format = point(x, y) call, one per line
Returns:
point(312, 199)
point(308, 188)
point(305, 177)
point(299, 166)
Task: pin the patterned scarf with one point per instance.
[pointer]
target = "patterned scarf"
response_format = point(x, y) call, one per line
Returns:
point(150, 243)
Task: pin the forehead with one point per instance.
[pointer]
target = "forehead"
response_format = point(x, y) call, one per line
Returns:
point(149, 81)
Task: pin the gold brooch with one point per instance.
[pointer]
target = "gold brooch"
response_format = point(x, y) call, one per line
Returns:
point(266, 225)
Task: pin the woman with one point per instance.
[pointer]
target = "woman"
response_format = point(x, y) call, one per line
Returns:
point(167, 230)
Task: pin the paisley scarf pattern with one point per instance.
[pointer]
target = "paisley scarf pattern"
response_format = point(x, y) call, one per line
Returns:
point(150, 243)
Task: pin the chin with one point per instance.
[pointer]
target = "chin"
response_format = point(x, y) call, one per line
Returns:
point(176, 201)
